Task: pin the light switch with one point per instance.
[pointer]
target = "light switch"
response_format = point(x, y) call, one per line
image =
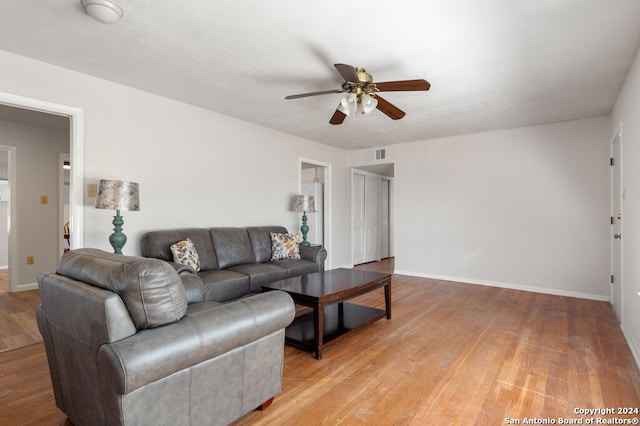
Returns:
point(30, 260)
point(92, 189)
point(44, 199)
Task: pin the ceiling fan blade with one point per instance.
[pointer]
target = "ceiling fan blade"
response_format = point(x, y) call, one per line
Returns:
point(403, 85)
point(389, 109)
point(338, 117)
point(347, 72)
point(323, 92)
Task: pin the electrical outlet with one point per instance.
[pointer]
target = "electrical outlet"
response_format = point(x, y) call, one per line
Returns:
point(31, 260)
point(44, 199)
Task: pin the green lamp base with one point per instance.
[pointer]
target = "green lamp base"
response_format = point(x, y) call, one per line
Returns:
point(117, 239)
point(305, 230)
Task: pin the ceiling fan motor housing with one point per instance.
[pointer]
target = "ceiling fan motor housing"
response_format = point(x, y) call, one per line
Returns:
point(363, 76)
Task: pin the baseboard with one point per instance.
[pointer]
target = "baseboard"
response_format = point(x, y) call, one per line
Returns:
point(633, 346)
point(23, 287)
point(344, 266)
point(533, 289)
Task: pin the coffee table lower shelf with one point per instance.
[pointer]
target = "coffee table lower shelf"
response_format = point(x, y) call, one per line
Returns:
point(340, 320)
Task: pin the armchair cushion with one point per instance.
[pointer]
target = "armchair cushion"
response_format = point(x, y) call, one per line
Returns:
point(150, 288)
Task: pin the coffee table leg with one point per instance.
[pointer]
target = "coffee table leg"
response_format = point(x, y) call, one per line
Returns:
point(387, 299)
point(318, 325)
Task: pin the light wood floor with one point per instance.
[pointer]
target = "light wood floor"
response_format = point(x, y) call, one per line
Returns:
point(453, 354)
point(18, 326)
point(4, 281)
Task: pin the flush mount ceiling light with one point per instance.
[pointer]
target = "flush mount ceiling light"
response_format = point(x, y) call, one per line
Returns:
point(104, 11)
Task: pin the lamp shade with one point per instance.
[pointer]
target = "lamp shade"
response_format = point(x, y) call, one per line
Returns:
point(348, 104)
point(368, 103)
point(303, 203)
point(104, 11)
point(118, 195)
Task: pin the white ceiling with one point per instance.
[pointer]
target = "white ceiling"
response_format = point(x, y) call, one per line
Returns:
point(491, 63)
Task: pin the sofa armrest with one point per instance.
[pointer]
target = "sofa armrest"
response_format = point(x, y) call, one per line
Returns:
point(153, 354)
point(193, 285)
point(180, 268)
point(314, 254)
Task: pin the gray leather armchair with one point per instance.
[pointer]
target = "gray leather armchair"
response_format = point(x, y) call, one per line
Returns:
point(125, 348)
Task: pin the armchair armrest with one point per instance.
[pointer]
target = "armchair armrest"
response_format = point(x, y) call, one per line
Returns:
point(314, 254)
point(152, 354)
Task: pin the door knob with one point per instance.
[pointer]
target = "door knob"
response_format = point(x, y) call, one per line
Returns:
point(617, 236)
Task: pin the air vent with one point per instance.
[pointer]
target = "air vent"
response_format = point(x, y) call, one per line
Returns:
point(381, 154)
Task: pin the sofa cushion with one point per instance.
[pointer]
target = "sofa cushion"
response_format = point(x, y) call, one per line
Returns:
point(297, 267)
point(232, 246)
point(150, 288)
point(158, 244)
point(285, 246)
point(261, 273)
point(185, 253)
point(222, 286)
point(260, 237)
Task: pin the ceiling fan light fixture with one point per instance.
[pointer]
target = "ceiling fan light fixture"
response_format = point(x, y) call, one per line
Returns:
point(104, 11)
point(367, 104)
point(348, 104)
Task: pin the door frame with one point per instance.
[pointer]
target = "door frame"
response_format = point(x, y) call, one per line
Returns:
point(618, 275)
point(11, 176)
point(362, 170)
point(327, 187)
point(76, 153)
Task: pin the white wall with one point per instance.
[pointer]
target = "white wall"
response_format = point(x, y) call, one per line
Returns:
point(37, 170)
point(626, 113)
point(524, 208)
point(194, 167)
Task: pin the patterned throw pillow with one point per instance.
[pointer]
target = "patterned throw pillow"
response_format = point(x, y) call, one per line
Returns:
point(184, 253)
point(285, 246)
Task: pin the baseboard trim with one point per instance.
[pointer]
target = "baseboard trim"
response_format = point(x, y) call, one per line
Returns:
point(532, 289)
point(633, 345)
point(23, 287)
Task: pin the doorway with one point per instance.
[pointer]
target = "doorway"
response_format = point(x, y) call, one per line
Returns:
point(372, 213)
point(5, 158)
point(315, 179)
point(617, 246)
point(14, 104)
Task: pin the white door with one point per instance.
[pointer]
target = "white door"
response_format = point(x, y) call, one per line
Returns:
point(371, 189)
point(384, 219)
point(616, 227)
point(358, 208)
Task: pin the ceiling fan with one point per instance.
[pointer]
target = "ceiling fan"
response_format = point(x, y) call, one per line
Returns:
point(362, 93)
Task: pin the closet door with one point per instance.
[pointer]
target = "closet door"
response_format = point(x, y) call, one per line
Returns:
point(384, 219)
point(358, 208)
point(371, 189)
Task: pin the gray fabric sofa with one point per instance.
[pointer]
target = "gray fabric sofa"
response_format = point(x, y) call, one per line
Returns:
point(234, 262)
point(125, 348)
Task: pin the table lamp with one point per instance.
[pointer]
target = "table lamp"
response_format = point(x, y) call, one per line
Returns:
point(118, 195)
point(304, 204)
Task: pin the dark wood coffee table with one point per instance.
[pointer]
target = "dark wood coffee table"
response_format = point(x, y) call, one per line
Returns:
point(332, 319)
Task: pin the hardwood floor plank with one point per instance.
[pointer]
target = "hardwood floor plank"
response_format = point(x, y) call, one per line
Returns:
point(454, 353)
point(18, 325)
